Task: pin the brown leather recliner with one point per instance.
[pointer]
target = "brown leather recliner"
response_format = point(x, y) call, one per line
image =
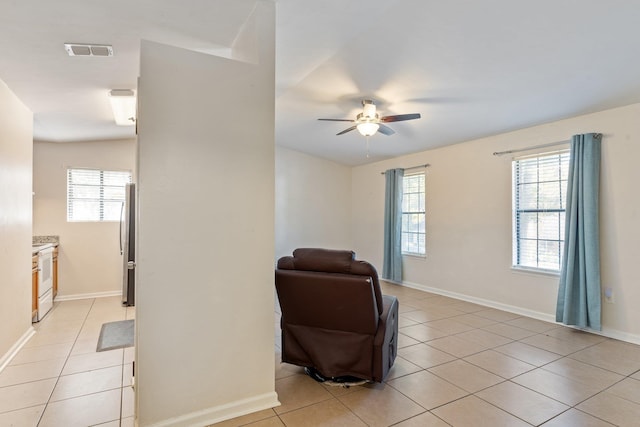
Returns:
point(334, 316)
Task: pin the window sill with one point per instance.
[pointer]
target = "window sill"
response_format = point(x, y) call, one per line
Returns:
point(419, 256)
point(535, 271)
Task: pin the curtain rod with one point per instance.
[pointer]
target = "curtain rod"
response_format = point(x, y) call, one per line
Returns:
point(500, 153)
point(426, 165)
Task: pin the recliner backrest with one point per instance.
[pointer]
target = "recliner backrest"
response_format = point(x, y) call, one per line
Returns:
point(330, 301)
point(332, 261)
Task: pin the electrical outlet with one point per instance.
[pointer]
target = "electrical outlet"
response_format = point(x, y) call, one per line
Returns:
point(608, 295)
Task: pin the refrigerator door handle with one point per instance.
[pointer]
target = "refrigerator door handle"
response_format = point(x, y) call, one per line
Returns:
point(121, 222)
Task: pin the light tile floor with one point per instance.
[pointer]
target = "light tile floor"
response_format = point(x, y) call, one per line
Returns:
point(459, 364)
point(59, 380)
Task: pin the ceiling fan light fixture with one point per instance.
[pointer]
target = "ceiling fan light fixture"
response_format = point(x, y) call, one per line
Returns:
point(369, 121)
point(367, 128)
point(123, 104)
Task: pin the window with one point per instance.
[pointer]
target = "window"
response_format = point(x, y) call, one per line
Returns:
point(95, 195)
point(413, 214)
point(539, 203)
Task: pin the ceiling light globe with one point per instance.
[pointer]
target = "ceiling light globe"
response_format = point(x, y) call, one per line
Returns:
point(368, 129)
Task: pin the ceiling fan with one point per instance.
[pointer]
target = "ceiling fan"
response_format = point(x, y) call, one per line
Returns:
point(369, 122)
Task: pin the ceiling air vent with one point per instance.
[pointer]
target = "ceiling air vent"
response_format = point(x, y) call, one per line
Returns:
point(79, 49)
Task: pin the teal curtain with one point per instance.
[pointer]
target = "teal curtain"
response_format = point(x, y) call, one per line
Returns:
point(392, 264)
point(579, 301)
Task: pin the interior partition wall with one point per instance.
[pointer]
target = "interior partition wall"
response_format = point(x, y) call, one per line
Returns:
point(204, 301)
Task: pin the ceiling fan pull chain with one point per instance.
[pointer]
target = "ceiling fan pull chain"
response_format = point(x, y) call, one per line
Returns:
point(367, 137)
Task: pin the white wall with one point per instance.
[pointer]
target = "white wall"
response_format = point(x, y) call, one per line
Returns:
point(469, 219)
point(204, 307)
point(89, 260)
point(16, 150)
point(313, 203)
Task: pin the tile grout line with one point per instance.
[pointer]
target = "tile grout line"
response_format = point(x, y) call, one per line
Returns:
point(535, 367)
point(122, 386)
point(66, 360)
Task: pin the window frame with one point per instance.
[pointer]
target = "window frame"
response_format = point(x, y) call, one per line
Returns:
point(101, 199)
point(421, 192)
point(516, 260)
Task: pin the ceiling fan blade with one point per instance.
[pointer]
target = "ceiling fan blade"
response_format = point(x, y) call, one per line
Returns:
point(337, 120)
point(400, 117)
point(385, 130)
point(346, 130)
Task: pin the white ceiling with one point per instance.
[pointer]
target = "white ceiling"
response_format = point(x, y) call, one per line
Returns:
point(471, 69)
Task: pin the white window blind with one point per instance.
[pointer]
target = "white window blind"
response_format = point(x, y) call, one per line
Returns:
point(540, 193)
point(413, 214)
point(95, 195)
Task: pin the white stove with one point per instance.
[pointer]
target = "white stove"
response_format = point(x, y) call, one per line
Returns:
point(45, 281)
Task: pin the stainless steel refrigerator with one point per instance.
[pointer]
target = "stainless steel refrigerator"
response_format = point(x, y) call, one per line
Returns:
point(128, 245)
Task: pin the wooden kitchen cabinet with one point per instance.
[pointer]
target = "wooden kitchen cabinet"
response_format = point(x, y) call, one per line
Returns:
point(55, 272)
point(34, 286)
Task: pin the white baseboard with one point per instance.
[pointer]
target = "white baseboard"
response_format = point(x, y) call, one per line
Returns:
point(616, 334)
point(545, 317)
point(9, 355)
point(88, 295)
point(223, 412)
point(484, 302)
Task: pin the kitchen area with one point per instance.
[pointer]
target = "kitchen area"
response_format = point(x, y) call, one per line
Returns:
point(50, 330)
point(89, 260)
point(77, 288)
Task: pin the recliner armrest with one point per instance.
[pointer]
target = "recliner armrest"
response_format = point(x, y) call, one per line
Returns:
point(386, 340)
